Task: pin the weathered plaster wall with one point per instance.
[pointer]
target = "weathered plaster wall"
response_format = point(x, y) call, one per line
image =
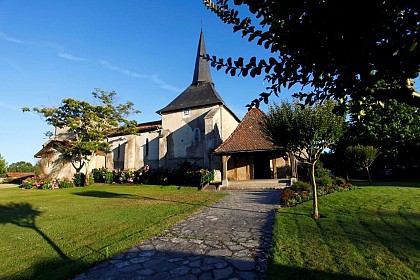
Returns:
point(186, 137)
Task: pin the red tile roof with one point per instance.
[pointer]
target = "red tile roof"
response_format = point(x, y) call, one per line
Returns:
point(19, 174)
point(149, 126)
point(248, 136)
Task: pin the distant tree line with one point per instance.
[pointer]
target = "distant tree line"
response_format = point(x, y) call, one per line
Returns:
point(20, 166)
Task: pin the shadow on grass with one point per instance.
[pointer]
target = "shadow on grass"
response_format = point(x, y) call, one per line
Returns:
point(50, 269)
point(386, 183)
point(104, 194)
point(288, 272)
point(392, 235)
point(24, 215)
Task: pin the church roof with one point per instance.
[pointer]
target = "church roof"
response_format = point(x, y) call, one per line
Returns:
point(201, 92)
point(247, 137)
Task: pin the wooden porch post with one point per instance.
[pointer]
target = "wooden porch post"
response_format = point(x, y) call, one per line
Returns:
point(274, 163)
point(225, 159)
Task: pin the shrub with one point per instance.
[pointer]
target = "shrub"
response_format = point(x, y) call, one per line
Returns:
point(301, 191)
point(79, 179)
point(323, 181)
point(339, 181)
point(320, 171)
point(102, 175)
point(49, 184)
point(301, 186)
point(65, 183)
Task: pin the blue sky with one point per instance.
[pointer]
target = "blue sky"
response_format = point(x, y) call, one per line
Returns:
point(144, 50)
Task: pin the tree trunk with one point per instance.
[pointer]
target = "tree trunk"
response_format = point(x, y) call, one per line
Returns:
point(314, 192)
point(368, 172)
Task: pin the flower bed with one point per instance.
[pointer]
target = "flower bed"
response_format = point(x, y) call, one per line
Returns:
point(102, 175)
point(46, 184)
point(301, 191)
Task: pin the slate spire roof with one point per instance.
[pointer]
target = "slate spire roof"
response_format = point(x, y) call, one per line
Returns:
point(202, 69)
point(247, 137)
point(201, 92)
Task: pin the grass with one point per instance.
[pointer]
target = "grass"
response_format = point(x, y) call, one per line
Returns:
point(369, 233)
point(57, 234)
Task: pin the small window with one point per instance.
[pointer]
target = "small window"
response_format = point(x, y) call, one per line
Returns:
point(196, 135)
point(186, 113)
point(147, 147)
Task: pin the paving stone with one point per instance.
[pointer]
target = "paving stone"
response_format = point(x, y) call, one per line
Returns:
point(139, 260)
point(228, 240)
point(195, 263)
point(222, 273)
point(182, 270)
point(220, 252)
point(146, 271)
point(243, 264)
point(121, 264)
point(206, 276)
point(196, 270)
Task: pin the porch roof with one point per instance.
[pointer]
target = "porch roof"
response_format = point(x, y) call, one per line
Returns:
point(247, 137)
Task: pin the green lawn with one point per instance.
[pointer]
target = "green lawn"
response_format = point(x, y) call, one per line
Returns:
point(55, 234)
point(369, 233)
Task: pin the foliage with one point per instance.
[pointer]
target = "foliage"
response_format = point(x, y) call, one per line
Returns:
point(79, 179)
point(324, 47)
point(325, 180)
point(302, 191)
point(3, 165)
point(104, 218)
point(365, 234)
point(88, 125)
point(301, 186)
point(21, 166)
point(362, 156)
point(393, 128)
point(102, 175)
point(305, 131)
point(207, 176)
point(304, 171)
point(46, 184)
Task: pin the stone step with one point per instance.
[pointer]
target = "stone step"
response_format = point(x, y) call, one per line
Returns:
point(256, 184)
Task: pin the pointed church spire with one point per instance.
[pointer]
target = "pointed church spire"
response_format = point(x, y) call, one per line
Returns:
point(202, 69)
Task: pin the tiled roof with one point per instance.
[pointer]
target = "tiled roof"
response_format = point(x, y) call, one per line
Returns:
point(149, 126)
point(19, 174)
point(51, 145)
point(201, 92)
point(247, 137)
point(198, 95)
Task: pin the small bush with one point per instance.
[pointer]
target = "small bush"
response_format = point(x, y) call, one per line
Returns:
point(79, 179)
point(65, 183)
point(301, 186)
point(339, 181)
point(323, 181)
point(48, 184)
point(300, 191)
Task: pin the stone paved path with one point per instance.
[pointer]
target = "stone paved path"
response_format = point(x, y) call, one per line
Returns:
point(228, 240)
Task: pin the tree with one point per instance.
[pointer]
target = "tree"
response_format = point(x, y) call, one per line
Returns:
point(21, 166)
point(394, 128)
point(3, 165)
point(362, 157)
point(344, 50)
point(88, 125)
point(305, 132)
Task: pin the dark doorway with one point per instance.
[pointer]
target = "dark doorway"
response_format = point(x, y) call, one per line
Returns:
point(262, 167)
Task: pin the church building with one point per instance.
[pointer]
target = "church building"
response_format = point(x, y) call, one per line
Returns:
point(192, 127)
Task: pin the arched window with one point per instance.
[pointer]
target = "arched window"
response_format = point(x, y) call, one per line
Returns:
point(197, 135)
